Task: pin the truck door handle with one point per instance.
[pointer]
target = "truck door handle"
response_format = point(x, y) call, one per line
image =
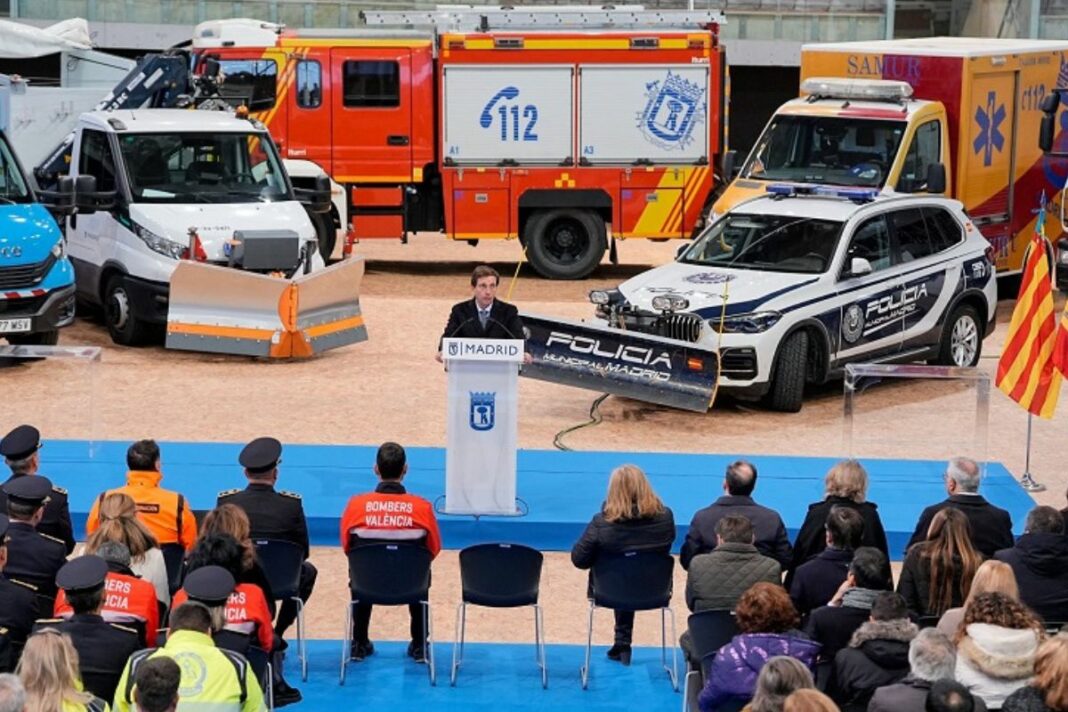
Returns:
point(397, 140)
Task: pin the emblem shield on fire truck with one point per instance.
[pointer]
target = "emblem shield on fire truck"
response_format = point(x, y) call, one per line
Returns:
point(674, 109)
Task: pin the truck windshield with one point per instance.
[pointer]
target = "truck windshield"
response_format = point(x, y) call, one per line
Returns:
point(825, 149)
point(775, 243)
point(13, 188)
point(202, 167)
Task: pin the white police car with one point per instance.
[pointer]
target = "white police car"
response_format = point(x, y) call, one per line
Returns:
point(793, 285)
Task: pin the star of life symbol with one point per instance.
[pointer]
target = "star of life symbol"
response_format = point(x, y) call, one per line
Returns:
point(481, 413)
point(674, 108)
point(989, 119)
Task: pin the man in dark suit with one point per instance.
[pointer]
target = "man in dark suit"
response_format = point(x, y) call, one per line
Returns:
point(483, 316)
point(19, 449)
point(991, 526)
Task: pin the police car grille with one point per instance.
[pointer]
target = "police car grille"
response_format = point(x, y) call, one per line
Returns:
point(25, 276)
point(683, 327)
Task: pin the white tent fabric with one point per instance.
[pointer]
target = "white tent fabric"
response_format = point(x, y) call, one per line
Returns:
point(18, 40)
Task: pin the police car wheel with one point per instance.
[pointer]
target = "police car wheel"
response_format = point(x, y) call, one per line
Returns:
point(565, 244)
point(125, 328)
point(962, 340)
point(788, 378)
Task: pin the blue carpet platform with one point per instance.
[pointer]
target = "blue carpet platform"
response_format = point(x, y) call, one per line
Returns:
point(561, 489)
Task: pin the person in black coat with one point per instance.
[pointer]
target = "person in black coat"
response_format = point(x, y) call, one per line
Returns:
point(991, 526)
point(878, 654)
point(1040, 562)
point(18, 601)
point(846, 485)
point(633, 518)
point(833, 625)
point(483, 316)
point(817, 580)
point(32, 557)
point(20, 451)
point(738, 484)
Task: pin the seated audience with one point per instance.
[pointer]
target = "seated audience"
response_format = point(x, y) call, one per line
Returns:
point(996, 646)
point(20, 449)
point(991, 577)
point(834, 624)
point(738, 486)
point(1040, 562)
point(991, 527)
point(633, 519)
point(12, 693)
point(932, 657)
point(767, 622)
point(1048, 691)
point(816, 580)
point(18, 601)
point(780, 677)
point(937, 573)
point(119, 523)
point(950, 696)
point(232, 520)
point(877, 655)
point(809, 699)
point(846, 485)
point(156, 685)
point(49, 673)
point(32, 557)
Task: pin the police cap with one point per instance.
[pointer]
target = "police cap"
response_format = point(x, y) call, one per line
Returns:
point(85, 573)
point(261, 455)
point(211, 585)
point(28, 489)
point(20, 443)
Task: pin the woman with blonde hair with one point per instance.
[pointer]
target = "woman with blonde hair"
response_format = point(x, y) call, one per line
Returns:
point(991, 577)
point(119, 523)
point(1048, 692)
point(937, 573)
point(845, 485)
point(633, 518)
point(779, 679)
point(48, 670)
point(809, 699)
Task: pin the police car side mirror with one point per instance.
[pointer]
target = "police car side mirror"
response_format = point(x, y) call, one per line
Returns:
point(858, 267)
point(682, 248)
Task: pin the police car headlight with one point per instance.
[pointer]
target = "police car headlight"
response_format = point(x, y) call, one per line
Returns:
point(670, 302)
point(753, 323)
point(160, 244)
point(59, 250)
point(606, 297)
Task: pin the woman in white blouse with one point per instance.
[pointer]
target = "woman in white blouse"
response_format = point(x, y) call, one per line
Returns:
point(118, 522)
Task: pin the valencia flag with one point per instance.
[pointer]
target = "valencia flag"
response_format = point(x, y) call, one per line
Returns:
point(1026, 371)
point(1060, 349)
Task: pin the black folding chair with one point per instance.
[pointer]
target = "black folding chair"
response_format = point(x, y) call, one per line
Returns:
point(173, 558)
point(281, 562)
point(709, 631)
point(260, 662)
point(635, 581)
point(389, 575)
point(500, 576)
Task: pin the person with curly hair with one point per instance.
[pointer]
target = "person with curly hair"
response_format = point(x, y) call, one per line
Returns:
point(1048, 692)
point(996, 646)
point(768, 623)
point(937, 573)
point(231, 520)
point(992, 577)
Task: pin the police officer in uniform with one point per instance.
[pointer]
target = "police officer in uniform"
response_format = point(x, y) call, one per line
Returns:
point(103, 648)
point(32, 557)
point(19, 449)
point(273, 514)
point(18, 601)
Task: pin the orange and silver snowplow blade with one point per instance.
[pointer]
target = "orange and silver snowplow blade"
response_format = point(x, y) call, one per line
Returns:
point(230, 311)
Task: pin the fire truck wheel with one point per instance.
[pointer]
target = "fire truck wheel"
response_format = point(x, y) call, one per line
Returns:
point(325, 233)
point(565, 244)
point(125, 328)
point(788, 378)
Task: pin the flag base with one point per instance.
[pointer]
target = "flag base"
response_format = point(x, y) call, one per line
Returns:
point(1028, 483)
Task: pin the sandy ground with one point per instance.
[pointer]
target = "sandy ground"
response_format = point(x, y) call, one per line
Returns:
point(391, 388)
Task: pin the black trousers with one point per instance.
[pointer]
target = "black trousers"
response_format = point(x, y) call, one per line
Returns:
point(361, 621)
point(287, 612)
point(624, 626)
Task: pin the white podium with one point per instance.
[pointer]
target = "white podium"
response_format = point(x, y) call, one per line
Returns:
point(480, 456)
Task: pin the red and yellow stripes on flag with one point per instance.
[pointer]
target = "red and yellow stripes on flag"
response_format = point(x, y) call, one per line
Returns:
point(1060, 348)
point(1026, 371)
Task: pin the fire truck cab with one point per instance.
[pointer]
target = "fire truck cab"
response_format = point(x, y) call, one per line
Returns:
point(567, 128)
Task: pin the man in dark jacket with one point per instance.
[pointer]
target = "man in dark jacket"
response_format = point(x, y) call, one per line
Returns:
point(878, 653)
point(483, 316)
point(816, 581)
point(738, 484)
point(932, 656)
point(833, 625)
point(991, 526)
point(1040, 562)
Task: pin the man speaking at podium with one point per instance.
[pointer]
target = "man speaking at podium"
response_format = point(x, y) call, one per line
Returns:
point(484, 316)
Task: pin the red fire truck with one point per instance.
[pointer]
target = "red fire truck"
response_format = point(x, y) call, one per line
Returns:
point(567, 128)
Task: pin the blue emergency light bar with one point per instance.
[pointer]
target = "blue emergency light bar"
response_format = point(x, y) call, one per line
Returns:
point(857, 195)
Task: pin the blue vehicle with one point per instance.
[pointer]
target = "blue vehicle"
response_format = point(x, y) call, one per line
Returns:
point(36, 277)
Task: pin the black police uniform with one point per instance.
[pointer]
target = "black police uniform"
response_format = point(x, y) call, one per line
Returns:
point(273, 515)
point(19, 444)
point(32, 557)
point(18, 610)
point(103, 647)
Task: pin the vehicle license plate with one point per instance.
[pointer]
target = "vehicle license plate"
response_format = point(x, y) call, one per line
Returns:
point(14, 326)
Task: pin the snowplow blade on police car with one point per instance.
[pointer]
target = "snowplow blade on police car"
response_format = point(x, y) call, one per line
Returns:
point(231, 311)
point(644, 367)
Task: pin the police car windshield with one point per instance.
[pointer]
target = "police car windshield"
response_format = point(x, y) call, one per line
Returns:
point(774, 243)
point(826, 149)
point(203, 167)
point(13, 188)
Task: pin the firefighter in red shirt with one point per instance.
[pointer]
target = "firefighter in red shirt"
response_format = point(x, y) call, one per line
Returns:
point(389, 514)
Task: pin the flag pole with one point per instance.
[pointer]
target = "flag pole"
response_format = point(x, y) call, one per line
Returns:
point(1027, 481)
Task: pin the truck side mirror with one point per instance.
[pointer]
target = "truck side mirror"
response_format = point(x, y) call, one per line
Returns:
point(1046, 128)
point(210, 68)
point(729, 168)
point(1050, 102)
point(936, 178)
point(858, 267)
point(317, 198)
point(88, 199)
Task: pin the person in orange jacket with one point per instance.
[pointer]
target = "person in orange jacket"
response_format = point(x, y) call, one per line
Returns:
point(390, 514)
point(166, 514)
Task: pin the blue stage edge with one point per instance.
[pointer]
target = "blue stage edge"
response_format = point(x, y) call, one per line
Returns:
point(561, 490)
